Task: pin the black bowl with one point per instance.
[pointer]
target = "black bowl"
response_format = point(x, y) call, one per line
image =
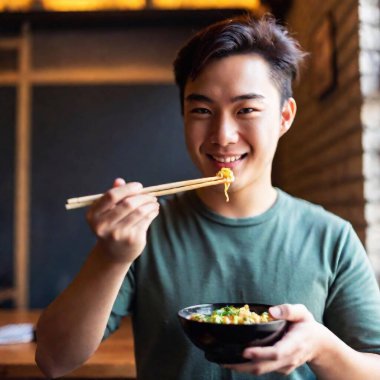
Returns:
point(224, 344)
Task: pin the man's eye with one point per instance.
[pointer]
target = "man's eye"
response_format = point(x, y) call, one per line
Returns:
point(200, 111)
point(247, 110)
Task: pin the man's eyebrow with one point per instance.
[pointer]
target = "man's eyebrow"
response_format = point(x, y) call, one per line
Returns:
point(248, 97)
point(204, 98)
point(199, 98)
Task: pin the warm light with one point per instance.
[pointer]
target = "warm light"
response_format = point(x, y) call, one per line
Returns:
point(132, 4)
point(183, 4)
point(15, 5)
point(91, 5)
point(97, 5)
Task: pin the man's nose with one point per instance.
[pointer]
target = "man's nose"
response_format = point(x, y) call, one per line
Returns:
point(224, 131)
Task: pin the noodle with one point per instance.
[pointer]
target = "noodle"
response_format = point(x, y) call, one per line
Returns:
point(231, 315)
point(228, 175)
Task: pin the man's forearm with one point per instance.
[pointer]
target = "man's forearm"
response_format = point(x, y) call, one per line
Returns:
point(338, 361)
point(71, 328)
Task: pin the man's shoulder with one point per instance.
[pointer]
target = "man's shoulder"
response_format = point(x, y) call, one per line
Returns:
point(310, 212)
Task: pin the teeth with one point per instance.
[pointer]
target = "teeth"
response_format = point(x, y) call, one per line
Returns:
point(226, 159)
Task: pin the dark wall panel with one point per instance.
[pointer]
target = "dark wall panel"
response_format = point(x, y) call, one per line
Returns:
point(7, 153)
point(83, 138)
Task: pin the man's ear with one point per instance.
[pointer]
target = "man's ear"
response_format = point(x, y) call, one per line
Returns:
point(288, 114)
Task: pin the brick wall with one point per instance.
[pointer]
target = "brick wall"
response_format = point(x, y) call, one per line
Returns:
point(369, 60)
point(321, 157)
point(331, 155)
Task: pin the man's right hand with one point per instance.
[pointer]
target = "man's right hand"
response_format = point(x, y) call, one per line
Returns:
point(120, 219)
point(71, 328)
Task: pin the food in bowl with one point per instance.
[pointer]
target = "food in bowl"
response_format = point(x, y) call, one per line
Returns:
point(224, 343)
point(233, 315)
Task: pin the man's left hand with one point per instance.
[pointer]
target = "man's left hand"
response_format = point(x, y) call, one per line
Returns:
point(298, 346)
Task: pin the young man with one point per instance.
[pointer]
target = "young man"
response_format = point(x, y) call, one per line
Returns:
point(263, 246)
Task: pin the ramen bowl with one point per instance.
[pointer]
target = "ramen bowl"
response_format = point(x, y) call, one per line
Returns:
point(225, 343)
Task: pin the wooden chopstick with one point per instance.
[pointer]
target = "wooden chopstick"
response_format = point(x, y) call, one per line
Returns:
point(148, 189)
point(158, 190)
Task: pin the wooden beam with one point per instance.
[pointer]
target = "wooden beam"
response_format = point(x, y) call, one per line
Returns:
point(7, 294)
point(99, 76)
point(10, 43)
point(94, 76)
point(8, 79)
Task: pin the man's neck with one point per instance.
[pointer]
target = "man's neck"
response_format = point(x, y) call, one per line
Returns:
point(244, 203)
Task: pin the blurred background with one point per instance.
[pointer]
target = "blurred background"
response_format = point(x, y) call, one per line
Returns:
point(87, 94)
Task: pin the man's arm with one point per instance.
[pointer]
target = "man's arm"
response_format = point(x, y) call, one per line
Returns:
point(336, 360)
point(71, 328)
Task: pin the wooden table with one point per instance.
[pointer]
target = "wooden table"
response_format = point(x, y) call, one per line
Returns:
point(114, 359)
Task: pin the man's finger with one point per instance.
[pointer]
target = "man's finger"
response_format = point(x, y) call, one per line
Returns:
point(113, 196)
point(293, 313)
point(119, 182)
point(259, 367)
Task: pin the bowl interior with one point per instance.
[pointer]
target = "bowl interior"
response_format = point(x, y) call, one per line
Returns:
point(210, 307)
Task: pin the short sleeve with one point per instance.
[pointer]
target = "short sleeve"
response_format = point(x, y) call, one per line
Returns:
point(353, 304)
point(123, 304)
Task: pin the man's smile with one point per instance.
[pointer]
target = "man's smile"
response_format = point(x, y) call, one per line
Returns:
point(228, 161)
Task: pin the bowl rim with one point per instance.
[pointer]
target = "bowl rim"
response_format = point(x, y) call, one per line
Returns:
point(276, 321)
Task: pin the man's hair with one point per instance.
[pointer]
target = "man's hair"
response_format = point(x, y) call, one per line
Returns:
point(242, 35)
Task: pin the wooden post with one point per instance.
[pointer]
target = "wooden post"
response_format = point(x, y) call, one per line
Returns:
point(22, 179)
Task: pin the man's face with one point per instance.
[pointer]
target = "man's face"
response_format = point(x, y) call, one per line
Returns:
point(233, 118)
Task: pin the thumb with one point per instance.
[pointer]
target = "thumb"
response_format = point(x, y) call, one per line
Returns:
point(118, 182)
point(291, 312)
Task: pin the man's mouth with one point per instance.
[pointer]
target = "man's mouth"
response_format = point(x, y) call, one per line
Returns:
point(227, 159)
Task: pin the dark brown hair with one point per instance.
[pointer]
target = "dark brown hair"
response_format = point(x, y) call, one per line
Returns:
point(242, 35)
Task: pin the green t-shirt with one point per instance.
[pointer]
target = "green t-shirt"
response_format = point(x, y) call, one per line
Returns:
point(295, 252)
